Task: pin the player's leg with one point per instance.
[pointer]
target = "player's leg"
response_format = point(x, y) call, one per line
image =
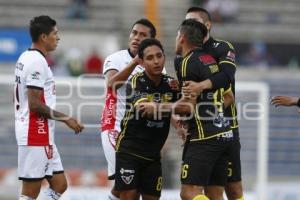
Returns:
point(192, 192)
point(234, 188)
point(56, 179)
point(108, 139)
point(195, 170)
point(151, 180)
point(127, 175)
point(30, 189)
point(218, 178)
point(32, 164)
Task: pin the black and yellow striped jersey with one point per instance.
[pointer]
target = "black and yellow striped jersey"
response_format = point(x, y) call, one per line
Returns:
point(224, 54)
point(140, 136)
point(208, 120)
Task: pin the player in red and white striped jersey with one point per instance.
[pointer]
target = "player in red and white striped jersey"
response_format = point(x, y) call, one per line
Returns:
point(34, 100)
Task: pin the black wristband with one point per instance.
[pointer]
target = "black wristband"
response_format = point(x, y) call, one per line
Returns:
point(298, 103)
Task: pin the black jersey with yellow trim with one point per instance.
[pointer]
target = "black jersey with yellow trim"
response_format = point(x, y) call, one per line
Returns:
point(140, 136)
point(224, 53)
point(208, 120)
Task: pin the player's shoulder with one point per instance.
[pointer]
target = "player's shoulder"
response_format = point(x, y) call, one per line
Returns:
point(137, 78)
point(223, 45)
point(117, 55)
point(29, 57)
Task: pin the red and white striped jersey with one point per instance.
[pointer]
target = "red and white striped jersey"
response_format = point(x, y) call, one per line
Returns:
point(32, 71)
point(114, 109)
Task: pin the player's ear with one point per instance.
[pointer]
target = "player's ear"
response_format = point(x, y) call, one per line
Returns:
point(43, 37)
point(208, 25)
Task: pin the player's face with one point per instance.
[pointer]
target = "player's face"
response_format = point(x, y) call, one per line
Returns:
point(51, 40)
point(199, 18)
point(178, 47)
point(138, 33)
point(194, 15)
point(153, 60)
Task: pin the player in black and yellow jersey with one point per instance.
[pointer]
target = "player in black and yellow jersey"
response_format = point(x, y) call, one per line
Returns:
point(205, 150)
point(138, 166)
point(224, 54)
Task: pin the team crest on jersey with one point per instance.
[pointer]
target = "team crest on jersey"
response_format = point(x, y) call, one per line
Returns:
point(207, 59)
point(127, 175)
point(36, 75)
point(231, 56)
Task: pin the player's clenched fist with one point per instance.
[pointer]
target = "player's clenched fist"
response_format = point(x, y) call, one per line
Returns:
point(74, 124)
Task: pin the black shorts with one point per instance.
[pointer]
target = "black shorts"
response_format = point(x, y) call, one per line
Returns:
point(205, 160)
point(234, 160)
point(137, 173)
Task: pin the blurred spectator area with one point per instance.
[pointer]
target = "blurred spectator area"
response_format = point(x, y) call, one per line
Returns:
point(273, 21)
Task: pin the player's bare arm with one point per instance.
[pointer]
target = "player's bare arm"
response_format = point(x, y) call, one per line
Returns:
point(192, 87)
point(37, 106)
point(115, 79)
point(228, 99)
point(285, 101)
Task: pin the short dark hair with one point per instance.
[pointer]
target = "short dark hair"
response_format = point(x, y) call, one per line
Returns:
point(39, 25)
point(147, 23)
point(146, 43)
point(194, 31)
point(204, 13)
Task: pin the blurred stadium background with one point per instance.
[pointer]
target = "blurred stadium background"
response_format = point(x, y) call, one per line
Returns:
point(266, 36)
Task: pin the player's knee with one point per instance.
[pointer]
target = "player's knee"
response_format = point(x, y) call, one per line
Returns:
point(234, 191)
point(60, 187)
point(185, 195)
point(200, 197)
point(63, 187)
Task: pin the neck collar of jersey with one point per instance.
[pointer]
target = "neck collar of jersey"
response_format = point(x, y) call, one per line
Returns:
point(152, 82)
point(33, 49)
point(209, 42)
point(131, 54)
point(193, 50)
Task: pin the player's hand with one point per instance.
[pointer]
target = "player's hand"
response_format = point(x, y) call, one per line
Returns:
point(147, 109)
point(174, 84)
point(284, 101)
point(136, 60)
point(191, 89)
point(181, 131)
point(73, 124)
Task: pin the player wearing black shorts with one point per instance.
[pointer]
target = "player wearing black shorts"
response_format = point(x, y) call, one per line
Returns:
point(209, 133)
point(138, 165)
point(224, 54)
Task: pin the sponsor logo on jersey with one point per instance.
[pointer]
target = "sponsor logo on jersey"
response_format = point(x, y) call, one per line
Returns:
point(41, 125)
point(207, 59)
point(36, 76)
point(154, 124)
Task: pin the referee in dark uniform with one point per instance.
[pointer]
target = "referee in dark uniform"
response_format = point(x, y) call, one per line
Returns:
point(209, 133)
point(224, 54)
point(143, 134)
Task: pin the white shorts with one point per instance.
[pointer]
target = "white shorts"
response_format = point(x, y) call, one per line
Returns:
point(109, 138)
point(38, 162)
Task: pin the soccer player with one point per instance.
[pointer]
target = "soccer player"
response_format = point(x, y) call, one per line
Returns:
point(34, 102)
point(138, 165)
point(209, 133)
point(285, 101)
point(224, 54)
point(118, 68)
